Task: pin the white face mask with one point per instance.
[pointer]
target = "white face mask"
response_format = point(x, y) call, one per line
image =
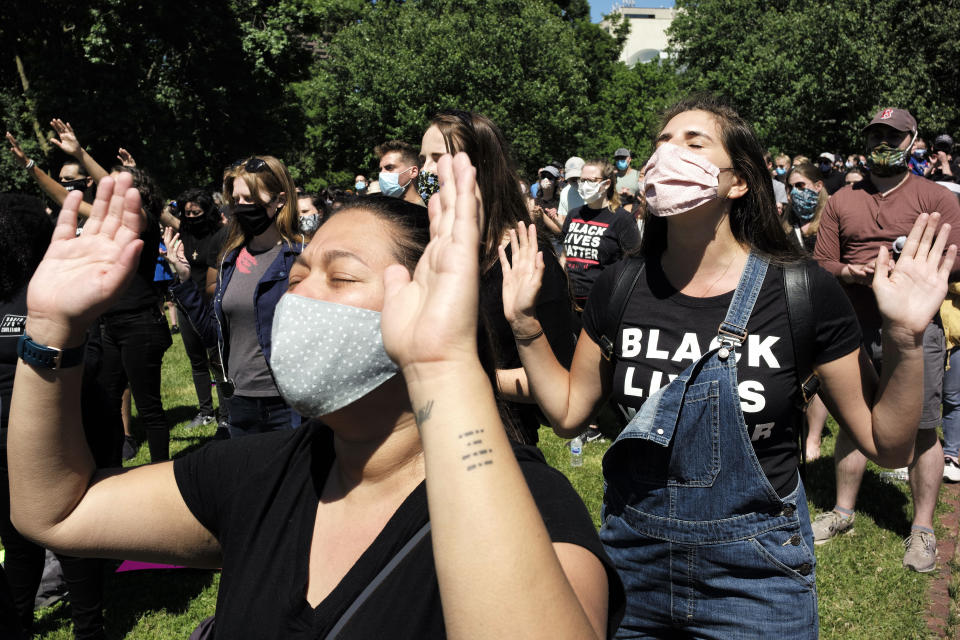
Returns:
point(591, 191)
point(325, 356)
point(546, 183)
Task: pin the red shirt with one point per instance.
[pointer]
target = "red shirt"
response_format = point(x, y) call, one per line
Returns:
point(858, 220)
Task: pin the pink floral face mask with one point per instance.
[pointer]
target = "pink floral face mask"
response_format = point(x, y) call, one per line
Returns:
point(677, 180)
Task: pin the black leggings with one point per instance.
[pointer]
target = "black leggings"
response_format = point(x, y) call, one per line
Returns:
point(133, 347)
point(199, 363)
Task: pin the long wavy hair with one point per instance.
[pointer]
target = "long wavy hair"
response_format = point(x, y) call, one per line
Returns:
point(500, 195)
point(268, 183)
point(753, 218)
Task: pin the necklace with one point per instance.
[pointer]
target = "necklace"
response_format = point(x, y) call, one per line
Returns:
point(706, 293)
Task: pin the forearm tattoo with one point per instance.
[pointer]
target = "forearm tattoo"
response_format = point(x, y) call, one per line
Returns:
point(423, 413)
point(477, 455)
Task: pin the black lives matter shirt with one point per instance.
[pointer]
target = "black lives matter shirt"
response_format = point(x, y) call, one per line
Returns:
point(594, 239)
point(664, 331)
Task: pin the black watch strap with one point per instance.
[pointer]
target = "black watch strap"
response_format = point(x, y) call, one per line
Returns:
point(39, 355)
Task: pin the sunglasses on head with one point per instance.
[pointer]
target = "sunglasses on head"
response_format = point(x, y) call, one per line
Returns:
point(251, 165)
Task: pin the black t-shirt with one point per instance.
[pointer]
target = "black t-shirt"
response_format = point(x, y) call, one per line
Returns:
point(835, 181)
point(554, 311)
point(938, 175)
point(592, 240)
point(141, 292)
point(202, 252)
point(13, 316)
point(664, 331)
point(258, 495)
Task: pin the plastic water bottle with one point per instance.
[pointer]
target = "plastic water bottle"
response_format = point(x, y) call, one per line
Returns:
point(576, 452)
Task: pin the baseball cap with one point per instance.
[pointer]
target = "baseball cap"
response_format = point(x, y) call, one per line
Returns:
point(829, 156)
point(573, 167)
point(551, 170)
point(622, 152)
point(943, 140)
point(899, 119)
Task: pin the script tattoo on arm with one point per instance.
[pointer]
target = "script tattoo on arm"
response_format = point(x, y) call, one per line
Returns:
point(475, 455)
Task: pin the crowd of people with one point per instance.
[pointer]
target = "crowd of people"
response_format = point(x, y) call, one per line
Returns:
point(385, 355)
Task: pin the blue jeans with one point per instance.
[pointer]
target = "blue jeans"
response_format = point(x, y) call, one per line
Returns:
point(704, 545)
point(951, 406)
point(249, 415)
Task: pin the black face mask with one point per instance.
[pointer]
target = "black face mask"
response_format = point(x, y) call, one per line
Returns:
point(252, 218)
point(195, 226)
point(80, 184)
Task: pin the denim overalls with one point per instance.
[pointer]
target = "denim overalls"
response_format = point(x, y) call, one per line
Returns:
point(702, 542)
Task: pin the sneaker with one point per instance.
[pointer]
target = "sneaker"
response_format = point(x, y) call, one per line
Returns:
point(951, 470)
point(201, 420)
point(130, 446)
point(831, 524)
point(592, 434)
point(921, 552)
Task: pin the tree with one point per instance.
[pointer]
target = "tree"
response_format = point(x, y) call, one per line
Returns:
point(809, 75)
point(534, 67)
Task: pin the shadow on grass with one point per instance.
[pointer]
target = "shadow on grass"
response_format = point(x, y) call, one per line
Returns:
point(131, 595)
point(884, 502)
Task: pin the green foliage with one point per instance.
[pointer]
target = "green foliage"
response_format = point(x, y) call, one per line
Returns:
point(524, 64)
point(810, 75)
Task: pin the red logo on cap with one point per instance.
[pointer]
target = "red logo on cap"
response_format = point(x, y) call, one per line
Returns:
point(887, 114)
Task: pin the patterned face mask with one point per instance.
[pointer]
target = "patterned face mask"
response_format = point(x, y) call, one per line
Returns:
point(428, 183)
point(804, 203)
point(884, 160)
point(325, 356)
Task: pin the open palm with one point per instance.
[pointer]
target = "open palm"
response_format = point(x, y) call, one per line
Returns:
point(80, 277)
point(909, 291)
point(432, 317)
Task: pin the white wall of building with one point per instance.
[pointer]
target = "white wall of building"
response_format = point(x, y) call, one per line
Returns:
point(648, 33)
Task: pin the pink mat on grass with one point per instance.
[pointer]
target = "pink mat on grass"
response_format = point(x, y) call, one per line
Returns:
point(133, 565)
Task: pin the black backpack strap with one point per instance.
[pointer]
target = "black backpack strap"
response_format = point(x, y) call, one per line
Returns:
point(622, 288)
point(800, 316)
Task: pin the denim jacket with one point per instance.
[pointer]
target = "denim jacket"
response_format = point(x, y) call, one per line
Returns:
point(207, 316)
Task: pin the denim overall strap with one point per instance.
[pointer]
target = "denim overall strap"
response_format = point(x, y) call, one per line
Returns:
point(733, 329)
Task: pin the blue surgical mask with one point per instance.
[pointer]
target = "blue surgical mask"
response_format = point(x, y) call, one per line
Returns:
point(804, 203)
point(390, 183)
point(622, 164)
point(360, 185)
point(781, 171)
point(919, 154)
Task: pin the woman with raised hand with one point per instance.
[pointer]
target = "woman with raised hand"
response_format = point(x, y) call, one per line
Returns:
point(705, 514)
point(254, 264)
point(502, 206)
point(410, 483)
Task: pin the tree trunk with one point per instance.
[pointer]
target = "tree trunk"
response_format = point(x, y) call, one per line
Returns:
point(31, 107)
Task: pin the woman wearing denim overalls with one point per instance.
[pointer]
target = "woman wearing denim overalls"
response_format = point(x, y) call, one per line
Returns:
point(704, 512)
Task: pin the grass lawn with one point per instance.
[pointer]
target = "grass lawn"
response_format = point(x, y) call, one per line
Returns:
point(864, 592)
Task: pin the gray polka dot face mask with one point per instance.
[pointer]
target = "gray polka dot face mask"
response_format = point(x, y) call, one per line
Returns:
point(326, 355)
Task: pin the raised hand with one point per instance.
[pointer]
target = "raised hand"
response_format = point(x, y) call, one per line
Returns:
point(175, 253)
point(16, 150)
point(910, 290)
point(432, 318)
point(68, 139)
point(521, 279)
point(125, 158)
point(80, 277)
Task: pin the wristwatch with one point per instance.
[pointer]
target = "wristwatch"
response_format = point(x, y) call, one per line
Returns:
point(39, 355)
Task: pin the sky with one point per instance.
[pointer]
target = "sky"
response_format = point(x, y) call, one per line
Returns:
point(599, 7)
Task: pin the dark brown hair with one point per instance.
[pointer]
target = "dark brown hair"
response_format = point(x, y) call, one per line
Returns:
point(501, 199)
point(753, 217)
point(407, 153)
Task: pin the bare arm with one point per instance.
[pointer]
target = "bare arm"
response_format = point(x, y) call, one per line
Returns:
point(569, 399)
point(70, 145)
point(56, 191)
point(58, 497)
point(491, 548)
point(882, 416)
